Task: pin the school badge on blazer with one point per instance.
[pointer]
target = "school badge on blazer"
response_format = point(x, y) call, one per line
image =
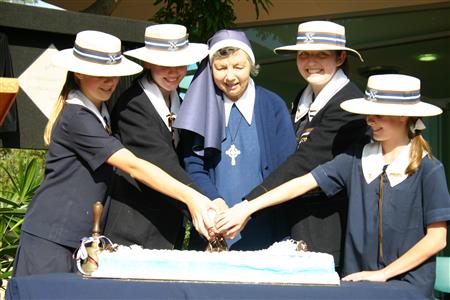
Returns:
point(305, 135)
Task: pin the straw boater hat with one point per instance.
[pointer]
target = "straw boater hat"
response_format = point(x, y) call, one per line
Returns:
point(168, 45)
point(391, 95)
point(97, 54)
point(318, 35)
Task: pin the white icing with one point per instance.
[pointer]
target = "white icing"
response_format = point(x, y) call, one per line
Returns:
point(280, 263)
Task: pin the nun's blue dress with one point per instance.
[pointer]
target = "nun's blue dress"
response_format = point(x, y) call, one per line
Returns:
point(264, 145)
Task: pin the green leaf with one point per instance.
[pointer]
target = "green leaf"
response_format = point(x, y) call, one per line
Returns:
point(17, 225)
point(8, 202)
point(6, 275)
point(12, 211)
point(11, 178)
point(202, 17)
point(8, 251)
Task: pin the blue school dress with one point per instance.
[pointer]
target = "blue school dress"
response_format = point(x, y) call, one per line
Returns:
point(409, 204)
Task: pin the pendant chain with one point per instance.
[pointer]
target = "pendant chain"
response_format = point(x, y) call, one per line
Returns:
point(237, 130)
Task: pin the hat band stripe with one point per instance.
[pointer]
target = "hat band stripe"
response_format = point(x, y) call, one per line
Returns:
point(391, 96)
point(171, 45)
point(320, 38)
point(97, 57)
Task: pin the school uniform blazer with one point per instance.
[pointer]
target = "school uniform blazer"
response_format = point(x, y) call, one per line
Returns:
point(139, 214)
point(313, 217)
point(331, 131)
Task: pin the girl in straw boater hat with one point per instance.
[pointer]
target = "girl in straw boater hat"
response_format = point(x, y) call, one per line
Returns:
point(399, 203)
point(81, 157)
point(323, 130)
point(142, 120)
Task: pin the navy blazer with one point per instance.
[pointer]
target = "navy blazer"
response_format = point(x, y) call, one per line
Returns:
point(331, 132)
point(313, 217)
point(139, 214)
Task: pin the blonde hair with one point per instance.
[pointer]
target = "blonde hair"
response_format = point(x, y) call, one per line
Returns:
point(69, 85)
point(418, 146)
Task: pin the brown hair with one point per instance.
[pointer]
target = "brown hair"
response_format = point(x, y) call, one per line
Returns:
point(344, 67)
point(418, 146)
point(69, 85)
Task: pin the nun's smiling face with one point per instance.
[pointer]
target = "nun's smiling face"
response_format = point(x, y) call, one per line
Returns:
point(231, 74)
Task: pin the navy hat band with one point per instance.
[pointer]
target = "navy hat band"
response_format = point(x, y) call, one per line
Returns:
point(320, 38)
point(170, 45)
point(392, 96)
point(96, 56)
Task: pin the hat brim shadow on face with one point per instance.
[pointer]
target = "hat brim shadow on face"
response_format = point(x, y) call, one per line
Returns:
point(171, 58)
point(363, 106)
point(67, 60)
point(314, 47)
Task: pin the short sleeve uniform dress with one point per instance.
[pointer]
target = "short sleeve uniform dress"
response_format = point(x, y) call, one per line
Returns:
point(76, 176)
point(410, 203)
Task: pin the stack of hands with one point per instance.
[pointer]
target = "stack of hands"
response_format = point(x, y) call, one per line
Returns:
point(214, 218)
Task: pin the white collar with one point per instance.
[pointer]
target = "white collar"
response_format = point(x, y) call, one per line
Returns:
point(245, 103)
point(306, 103)
point(77, 97)
point(156, 98)
point(373, 162)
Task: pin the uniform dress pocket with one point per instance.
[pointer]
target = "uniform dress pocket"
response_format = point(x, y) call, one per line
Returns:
point(402, 210)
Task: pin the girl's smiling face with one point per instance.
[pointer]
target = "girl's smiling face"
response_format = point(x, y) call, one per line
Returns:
point(386, 128)
point(95, 88)
point(318, 67)
point(167, 78)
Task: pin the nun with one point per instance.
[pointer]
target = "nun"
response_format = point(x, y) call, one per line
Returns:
point(235, 133)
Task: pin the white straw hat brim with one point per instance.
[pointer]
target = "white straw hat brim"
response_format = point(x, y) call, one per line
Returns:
point(313, 47)
point(67, 60)
point(187, 56)
point(363, 106)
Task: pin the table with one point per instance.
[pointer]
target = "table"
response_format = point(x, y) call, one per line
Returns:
point(73, 286)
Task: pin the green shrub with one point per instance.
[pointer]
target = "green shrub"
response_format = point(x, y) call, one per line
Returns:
point(21, 175)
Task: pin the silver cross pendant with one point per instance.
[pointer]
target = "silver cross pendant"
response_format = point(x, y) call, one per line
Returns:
point(233, 152)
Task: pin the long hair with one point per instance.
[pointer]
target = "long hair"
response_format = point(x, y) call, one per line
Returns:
point(69, 85)
point(418, 146)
